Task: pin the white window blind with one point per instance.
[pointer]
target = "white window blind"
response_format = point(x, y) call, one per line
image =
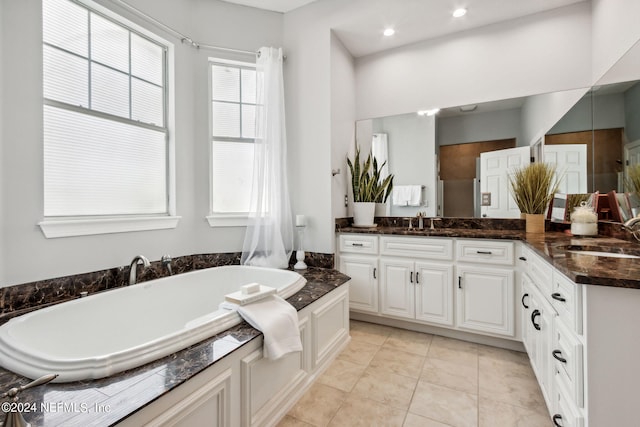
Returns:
point(233, 112)
point(105, 132)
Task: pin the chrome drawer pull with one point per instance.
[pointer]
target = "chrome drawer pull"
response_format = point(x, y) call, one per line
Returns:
point(557, 354)
point(558, 297)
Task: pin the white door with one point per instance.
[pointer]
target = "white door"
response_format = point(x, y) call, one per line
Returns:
point(485, 299)
point(397, 292)
point(632, 153)
point(494, 167)
point(363, 286)
point(571, 162)
point(434, 292)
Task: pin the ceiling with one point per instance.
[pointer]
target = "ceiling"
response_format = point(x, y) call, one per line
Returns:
point(360, 26)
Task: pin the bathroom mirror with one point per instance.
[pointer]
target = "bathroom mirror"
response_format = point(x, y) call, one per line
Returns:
point(606, 118)
point(440, 152)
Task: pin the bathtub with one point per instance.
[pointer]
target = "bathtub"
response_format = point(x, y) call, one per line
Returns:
point(109, 332)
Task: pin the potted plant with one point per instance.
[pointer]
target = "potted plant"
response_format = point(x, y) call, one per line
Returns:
point(533, 187)
point(368, 188)
point(632, 182)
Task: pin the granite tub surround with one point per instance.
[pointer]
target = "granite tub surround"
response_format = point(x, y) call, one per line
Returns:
point(109, 400)
point(19, 299)
point(552, 245)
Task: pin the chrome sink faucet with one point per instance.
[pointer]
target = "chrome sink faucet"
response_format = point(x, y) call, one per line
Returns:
point(133, 267)
point(632, 226)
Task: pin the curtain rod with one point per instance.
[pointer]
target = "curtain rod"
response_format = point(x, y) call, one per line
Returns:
point(183, 38)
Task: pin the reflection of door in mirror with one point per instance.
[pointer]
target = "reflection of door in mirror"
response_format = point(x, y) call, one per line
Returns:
point(496, 167)
point(458, 174)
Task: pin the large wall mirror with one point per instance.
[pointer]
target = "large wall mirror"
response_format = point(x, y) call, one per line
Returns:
point(443, 153)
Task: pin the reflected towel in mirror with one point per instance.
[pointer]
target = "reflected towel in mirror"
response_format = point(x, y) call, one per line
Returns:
point(407, 195)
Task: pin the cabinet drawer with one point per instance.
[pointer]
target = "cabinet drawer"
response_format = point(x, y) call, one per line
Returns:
point(567, 300)
point(568, 361)
point(566, 414)
point(417, 247)
point(541, 273)
point(485, 251)
point(358, 243)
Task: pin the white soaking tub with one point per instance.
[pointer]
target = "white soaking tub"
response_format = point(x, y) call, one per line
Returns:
point(113, 331)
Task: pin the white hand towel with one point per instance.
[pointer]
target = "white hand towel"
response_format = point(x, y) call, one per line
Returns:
point(407, 195)
point(278, 321)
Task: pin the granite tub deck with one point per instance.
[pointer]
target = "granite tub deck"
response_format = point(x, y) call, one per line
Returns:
point(109, 400)
point(581, 268)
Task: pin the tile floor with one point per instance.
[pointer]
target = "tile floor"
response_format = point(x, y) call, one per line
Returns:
point(394, 377)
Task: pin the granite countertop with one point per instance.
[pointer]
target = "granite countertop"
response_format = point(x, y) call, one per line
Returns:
point(552, 246)
point(109, 400)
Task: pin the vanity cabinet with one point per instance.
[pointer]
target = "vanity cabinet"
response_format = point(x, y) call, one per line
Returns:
point(416, 276)
point(359, 260)
point(485, 289)
point(465, 285)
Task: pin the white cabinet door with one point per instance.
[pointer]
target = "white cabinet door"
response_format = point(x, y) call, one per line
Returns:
point(527, 301)
point(434, 292)
point(397, 287)
point(363, 287)
point(485, 299)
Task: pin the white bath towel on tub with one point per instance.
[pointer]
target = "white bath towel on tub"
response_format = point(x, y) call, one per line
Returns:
point(278, 322)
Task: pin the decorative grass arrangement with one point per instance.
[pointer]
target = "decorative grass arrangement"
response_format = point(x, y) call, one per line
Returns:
point(365, 180)
point(533, 186)
point(632, 180)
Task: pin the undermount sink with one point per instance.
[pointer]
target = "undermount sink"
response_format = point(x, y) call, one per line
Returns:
point(602, 251)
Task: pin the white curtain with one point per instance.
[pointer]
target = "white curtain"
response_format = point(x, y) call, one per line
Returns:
point(269, 238)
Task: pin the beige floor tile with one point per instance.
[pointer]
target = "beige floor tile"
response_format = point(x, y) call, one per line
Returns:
point(357, 411)
point(451, 374)
point(445, 405)
point(318, 405)
point(414, 420)
point(453, 350)
point(398, 362)
point(388, 388)
point(409, 341)
point(509, 382)
point(342, 375)
point(292, 422)
point(493, 413)
point(359, 352)
point(369, 332)
point(502, 355)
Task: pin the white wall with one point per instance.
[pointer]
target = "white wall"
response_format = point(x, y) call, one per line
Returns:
point(488, 126)
point(541, 112)
point(615, 30)
point(342, 122)
point(28, 255)
point(539, 53)
point(2, 66)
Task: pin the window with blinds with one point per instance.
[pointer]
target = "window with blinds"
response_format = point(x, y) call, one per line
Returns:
point(233, 112)
point(105, 115)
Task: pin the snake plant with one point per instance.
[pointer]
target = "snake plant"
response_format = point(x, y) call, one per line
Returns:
point(366, 182)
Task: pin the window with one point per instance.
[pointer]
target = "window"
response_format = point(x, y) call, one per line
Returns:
point(106, 133)
point(233, 112)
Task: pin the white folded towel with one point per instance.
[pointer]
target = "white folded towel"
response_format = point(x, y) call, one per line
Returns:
point(407, 195)
point(278, 321)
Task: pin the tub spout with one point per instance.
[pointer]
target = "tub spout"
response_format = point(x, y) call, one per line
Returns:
point(133, 268)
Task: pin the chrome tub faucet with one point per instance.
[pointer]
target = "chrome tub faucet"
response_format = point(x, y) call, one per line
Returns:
point(133, 267)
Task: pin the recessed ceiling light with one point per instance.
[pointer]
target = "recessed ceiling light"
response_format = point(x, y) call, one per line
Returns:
point(459, 12)
point(389, 32)
point(468, 108)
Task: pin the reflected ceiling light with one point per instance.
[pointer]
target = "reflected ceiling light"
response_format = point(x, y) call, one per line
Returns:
point(431, 112)
point(389, 32)
point(459, 12)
